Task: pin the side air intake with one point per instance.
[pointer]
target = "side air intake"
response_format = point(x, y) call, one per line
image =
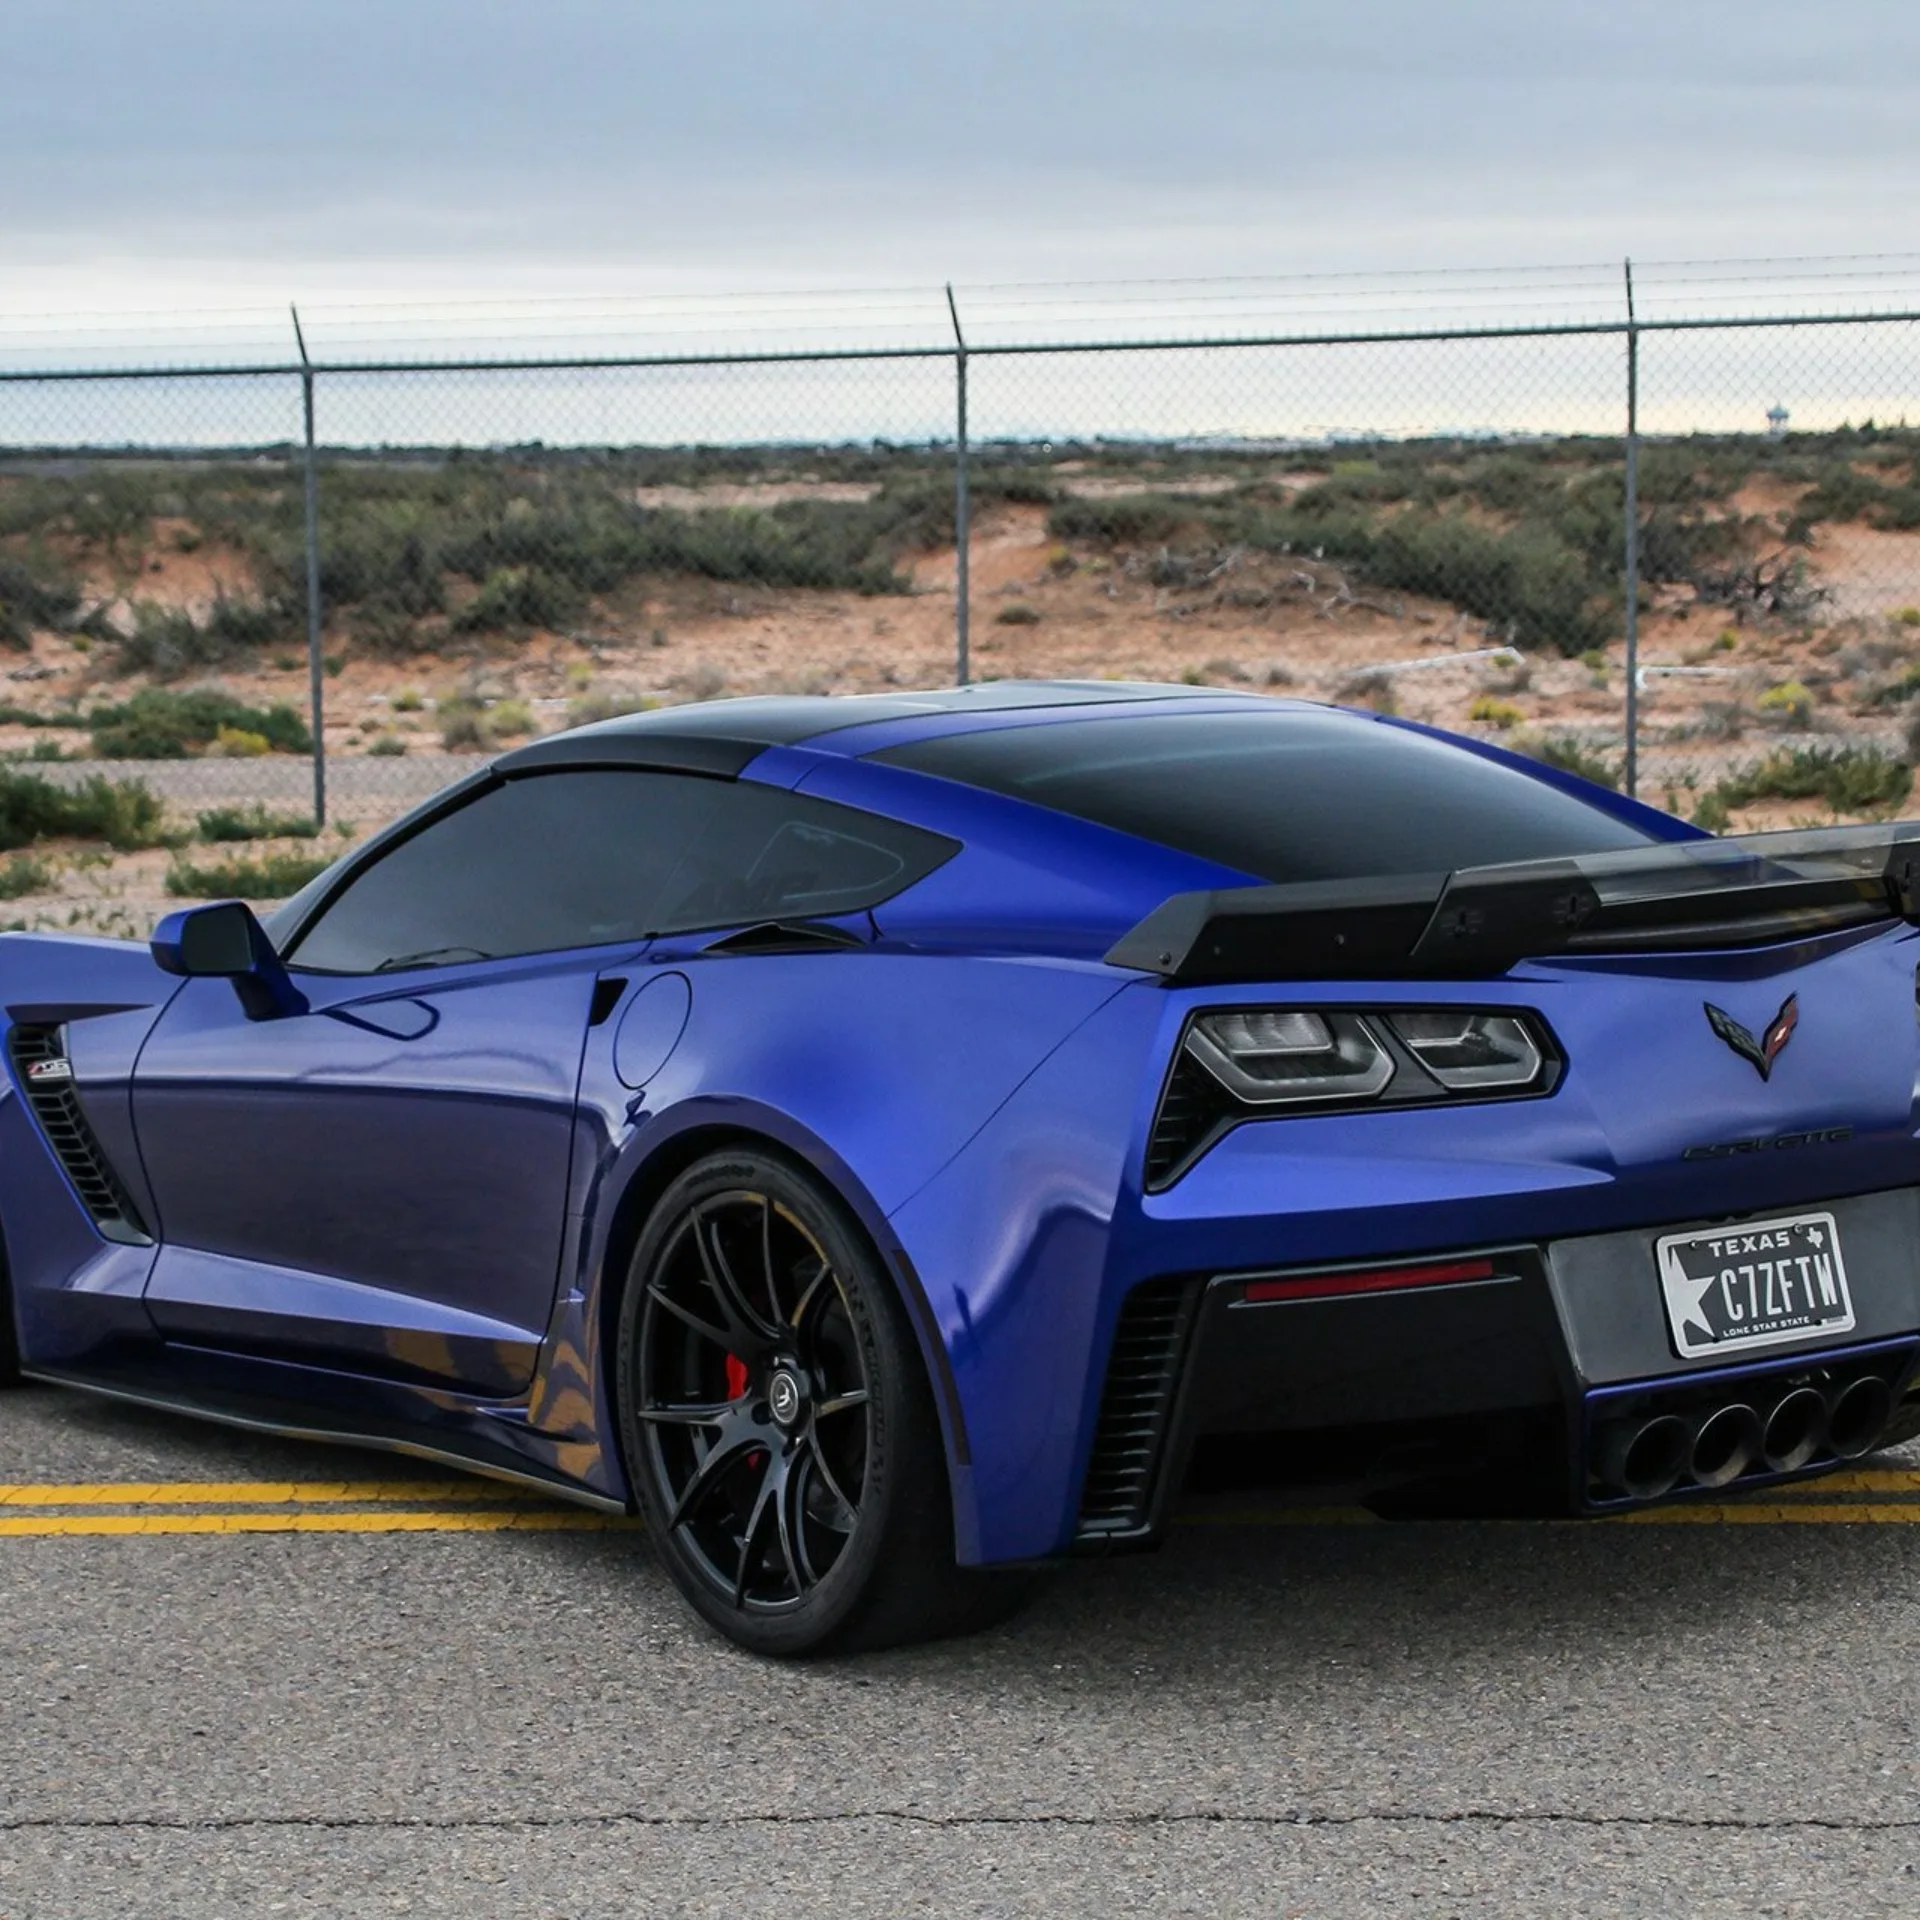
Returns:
point(46, 1075)
point(1136, 1408)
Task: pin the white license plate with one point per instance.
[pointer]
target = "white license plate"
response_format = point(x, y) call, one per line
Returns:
point(1756, 1285)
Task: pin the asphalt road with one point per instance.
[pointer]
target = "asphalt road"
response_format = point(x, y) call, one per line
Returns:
point(241, 1677)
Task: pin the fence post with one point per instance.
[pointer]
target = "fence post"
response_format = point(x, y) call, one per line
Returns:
point(1633, 545)
point(962, 500)
point(315, 665)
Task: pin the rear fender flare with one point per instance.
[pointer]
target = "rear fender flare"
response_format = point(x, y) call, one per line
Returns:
point(661, 1148)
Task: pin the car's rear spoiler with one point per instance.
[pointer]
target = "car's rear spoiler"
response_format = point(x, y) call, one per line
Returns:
point(1746, 890)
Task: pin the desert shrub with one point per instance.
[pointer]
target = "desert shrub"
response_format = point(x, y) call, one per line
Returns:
point(1015, 489)
point(167, 641)
point(1898, 510)
point(389, 746)
point(1528, 581)
point(1841, 494)
point(1355, 483)
point(124, 813)
point(269, 877)
point(463, 725)
point(29, 599)
point(1130, 520)
point(510, 719)
point(1789, 704)
point(240, 743)
point(254, 823)
point(22, 874)
point(1370, 690)
point(159, 724)
point(1569, 756)
point(514, 598)
point(1712, 812)
point(1018, 615)
point(1848, 779)
point(704, 682)
point(605, 706)
point(1496, 713)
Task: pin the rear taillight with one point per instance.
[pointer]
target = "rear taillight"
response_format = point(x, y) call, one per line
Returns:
point(1253, 1063)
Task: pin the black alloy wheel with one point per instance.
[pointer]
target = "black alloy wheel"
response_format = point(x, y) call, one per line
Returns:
point(778, 1427)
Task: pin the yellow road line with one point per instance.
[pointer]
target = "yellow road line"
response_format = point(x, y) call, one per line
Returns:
point(1861, 1480)
point(1772, 1514)
point(543, 1520)
point(256, 1493)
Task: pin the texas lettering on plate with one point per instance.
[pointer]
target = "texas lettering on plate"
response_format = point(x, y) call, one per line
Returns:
point(1754, 1285)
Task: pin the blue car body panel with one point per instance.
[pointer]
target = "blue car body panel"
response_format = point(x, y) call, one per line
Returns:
point(404, 1214)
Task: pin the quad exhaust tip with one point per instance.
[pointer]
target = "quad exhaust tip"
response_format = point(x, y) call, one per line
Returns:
point(1795, 1431)
point(1647, 1460)
point(1643, 1459)
point(1859, 1416)
point(1725, 1444)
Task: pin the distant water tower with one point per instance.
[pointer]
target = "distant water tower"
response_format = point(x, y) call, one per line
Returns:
point(1776, 421)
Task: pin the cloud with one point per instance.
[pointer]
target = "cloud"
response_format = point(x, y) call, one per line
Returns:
point(759, 139)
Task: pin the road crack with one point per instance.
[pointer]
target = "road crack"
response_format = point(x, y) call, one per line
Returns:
point(958, 1822)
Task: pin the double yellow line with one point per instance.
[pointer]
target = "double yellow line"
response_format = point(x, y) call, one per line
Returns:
point(1872, 1496)
point(40, 1509)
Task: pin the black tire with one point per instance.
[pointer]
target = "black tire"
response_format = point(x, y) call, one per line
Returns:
point(778, 1425)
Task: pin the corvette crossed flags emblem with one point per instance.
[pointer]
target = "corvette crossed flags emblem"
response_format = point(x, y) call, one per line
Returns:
point(1761, 1053)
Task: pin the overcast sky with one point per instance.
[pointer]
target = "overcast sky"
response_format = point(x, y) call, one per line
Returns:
point(215, 152)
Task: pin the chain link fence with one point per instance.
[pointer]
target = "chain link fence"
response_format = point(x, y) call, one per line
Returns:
point(1431, 523)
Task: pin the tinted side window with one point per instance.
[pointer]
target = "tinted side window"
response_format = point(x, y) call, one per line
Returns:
point(591, 858)
point(1282, 796)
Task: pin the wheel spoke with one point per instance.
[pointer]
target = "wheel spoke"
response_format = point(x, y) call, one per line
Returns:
point(766, 1258)
point(792, 1515)
point(809, 1294)
point(749, 1540)
point(749, 1330)
point(841, 1403)
point(704, 1328)
point(737, 1437)
point(824, 1468)
point(713, 1414)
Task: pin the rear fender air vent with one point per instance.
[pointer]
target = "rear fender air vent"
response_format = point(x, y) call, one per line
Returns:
point(1136, 1408)
point(1193, 1111)
point(46, 1077)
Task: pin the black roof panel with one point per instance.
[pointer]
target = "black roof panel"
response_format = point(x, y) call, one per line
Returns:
point(723, 736)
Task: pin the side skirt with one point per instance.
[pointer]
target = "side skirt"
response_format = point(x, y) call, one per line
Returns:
point(251, 1422)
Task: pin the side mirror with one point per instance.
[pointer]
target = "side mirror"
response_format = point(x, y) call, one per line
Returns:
point(225, 942)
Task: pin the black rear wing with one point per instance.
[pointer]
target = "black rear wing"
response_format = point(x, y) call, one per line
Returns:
point(1745, 890)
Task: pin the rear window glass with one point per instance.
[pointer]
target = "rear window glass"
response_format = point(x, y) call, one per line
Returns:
point(1283, 796)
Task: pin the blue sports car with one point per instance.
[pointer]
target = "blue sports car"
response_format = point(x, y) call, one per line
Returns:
point(890, 1142)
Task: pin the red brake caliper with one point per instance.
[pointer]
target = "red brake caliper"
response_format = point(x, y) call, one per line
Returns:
point(737, 1390)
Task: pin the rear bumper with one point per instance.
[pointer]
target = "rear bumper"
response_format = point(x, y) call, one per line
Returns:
point(1540, 1372)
